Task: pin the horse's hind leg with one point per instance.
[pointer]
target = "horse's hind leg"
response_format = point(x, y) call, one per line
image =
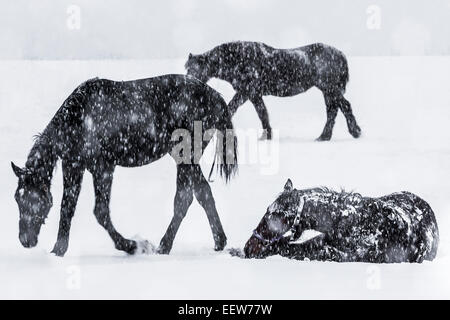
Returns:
point(332, 109)
point(73, 176)
point(237, 101)
point(182, 201)
point(346, 109)
point(102, 185)
point(204, 196)
point(263, 115)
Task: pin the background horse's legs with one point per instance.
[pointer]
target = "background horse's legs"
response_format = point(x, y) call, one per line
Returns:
point(73, 176)
point(182, 201)
point(204, 196)
point(238, 100)
point(346, 109)
point(102, 185)
point(332, 109)
point(263, 115)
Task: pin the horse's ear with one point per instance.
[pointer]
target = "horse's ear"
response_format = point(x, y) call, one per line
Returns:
point(288, 186)
point(190, 56)
point(17, 171)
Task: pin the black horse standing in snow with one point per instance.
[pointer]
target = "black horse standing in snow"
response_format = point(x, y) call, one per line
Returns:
point(256, 70)
point(103, 124)
point(400, 227)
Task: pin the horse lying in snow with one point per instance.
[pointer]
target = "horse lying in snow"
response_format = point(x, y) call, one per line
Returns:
point(400, 227)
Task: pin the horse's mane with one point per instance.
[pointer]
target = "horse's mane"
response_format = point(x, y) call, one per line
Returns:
point(39, 136)
point(340, 196)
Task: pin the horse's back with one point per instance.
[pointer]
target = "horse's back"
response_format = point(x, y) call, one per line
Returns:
point(131, 122)
point(158, 96)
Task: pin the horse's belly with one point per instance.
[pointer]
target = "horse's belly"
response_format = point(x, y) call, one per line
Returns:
point(140, 155)
point(287, 84)
point(126, 148)
point(138, 160)
point(287, 90)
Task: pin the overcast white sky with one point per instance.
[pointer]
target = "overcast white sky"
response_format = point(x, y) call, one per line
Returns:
point(96, 29)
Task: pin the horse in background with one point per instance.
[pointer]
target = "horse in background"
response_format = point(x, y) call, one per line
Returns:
point(104, 124)
point(255, 70)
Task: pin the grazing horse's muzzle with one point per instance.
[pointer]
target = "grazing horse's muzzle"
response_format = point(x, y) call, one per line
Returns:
point(28, 241)
point(28, 233)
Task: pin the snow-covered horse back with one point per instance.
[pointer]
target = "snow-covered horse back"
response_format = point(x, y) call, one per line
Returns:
point(105, 123)
point(255, 70)
point(400, 227)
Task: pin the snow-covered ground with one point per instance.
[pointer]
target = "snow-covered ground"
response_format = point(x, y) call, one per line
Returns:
point(402, 105)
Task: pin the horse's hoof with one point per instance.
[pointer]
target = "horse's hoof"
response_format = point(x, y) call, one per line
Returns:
point(220, 245)
point(163, 250)
point(266, 135)
point(58, 253)
point(356, 133)
point(129, 246)
point(323, 138)
point(60, 249)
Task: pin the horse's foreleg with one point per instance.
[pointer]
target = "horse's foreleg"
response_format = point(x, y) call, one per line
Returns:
point(263, 115)
point(204, 196)
point(346, 109)
point(102, 186)
point(237, 101)
point(332, 109)
point(73, 176)
point(317, 249)
point(182, 201)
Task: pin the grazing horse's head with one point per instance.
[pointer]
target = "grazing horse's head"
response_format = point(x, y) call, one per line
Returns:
point(199, 67)
point(34, 200)
point(278, 221)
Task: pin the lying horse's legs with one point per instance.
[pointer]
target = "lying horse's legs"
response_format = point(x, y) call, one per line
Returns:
point(346, 109)
point(183, 199)
point(318, 248)
point(237, 101)
point(73, 177)
point(263, 115)
point(204, 196)
point(332, 109)
point(102, 185)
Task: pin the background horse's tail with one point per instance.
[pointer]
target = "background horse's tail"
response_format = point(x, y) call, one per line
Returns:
point(225, 158)
point(345, 75)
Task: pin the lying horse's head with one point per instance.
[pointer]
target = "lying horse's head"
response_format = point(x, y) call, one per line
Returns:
point(34, 200)
point(198, 66)
point(277, 225)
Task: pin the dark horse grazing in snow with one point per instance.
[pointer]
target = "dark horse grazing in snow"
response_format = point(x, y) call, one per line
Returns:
point(399, 227)
point(256, 70)
point(103, 124)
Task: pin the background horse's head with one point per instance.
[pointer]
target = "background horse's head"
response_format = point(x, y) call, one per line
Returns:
point(34, 200)
point(198, 66)
point(268, 237)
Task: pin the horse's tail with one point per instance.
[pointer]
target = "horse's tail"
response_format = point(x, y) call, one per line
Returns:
point(345, 75)
point(225, 157)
